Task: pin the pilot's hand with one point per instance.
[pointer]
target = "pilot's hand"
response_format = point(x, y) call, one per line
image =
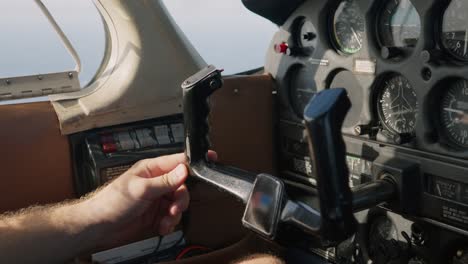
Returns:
point(148, 199)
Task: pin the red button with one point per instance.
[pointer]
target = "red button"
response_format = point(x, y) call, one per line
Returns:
point(282, 48)
point(109, 148)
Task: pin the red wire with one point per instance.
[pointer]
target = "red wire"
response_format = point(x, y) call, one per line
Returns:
point(188, 249)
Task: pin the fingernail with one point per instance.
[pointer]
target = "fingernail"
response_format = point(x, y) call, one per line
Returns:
point(174, 210)
point(180, 172)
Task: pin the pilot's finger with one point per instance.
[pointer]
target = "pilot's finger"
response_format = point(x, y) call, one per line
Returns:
point(212, 155)
point(180, 201)
point(169, 182)
point(150, 168)
point(168, 223)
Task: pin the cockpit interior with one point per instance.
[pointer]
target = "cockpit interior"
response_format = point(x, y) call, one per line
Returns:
point(349, 145)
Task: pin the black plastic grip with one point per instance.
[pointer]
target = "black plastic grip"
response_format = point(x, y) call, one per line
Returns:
point(323, 118)
point(196, 92)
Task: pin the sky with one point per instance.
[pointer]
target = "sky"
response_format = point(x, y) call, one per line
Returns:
point(224, 32)
point(29, 45)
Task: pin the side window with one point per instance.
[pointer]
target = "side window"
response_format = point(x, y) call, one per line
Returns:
point(225, 33)
point(30, 46)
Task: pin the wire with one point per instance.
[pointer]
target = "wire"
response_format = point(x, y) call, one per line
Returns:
point(190, 248)
point(178, 241)
point(158, 245)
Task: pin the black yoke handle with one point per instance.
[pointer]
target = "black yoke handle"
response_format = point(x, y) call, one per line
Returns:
point(196, 92)
point(323, 119)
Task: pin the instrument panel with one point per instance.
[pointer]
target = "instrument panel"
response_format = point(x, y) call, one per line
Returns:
point(407, 78)
point(404, 64)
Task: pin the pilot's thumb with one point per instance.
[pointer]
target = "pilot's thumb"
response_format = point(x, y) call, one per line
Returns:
point(170, 181)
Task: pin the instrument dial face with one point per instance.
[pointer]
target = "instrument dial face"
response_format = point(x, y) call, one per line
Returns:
point(454, 112)
point(455, 29)
point(302, 88)
point(348, 27)
point(399, 24)
point(398, 105)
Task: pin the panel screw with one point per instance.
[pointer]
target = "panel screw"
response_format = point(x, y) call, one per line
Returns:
point(70, 75)
point(215, 84)
point(236, 91)
point(357, 130)
point(8, 82)
point(40, 77)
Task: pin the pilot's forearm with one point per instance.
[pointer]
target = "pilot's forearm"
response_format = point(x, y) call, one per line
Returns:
point(47, 234)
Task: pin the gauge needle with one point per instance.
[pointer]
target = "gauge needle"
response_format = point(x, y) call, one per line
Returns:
point(356, 37)
point(466, 43)
point(438, 190)
point(460, 112)
point(461, 120)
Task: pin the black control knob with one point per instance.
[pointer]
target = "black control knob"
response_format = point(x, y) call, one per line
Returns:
point(361, 130)
point(390, 52)
point(430, 56)
point(395, 138)
point(403, 138)
point(418, 236)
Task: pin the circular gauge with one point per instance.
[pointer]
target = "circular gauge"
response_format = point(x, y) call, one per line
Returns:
point(348, 27)
point(306, 34)
point(398, 105)
point(399, 24)
point(302, 88)
point(455, 29)
point(454, 112)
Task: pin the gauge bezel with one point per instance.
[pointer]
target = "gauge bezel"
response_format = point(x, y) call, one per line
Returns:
point(437, 95)
point(440, 36)
point(331, 78)
point(295, 29)
point(405, 51)
point(379, 87)
point(332, 32)
point(292, 72)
